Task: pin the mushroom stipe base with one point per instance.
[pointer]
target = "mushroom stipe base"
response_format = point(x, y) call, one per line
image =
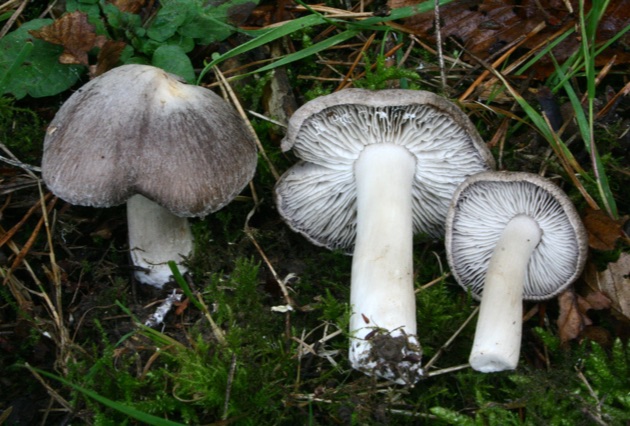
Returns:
point(392, 355)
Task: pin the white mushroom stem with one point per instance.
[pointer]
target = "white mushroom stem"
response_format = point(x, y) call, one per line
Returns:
point(156, 236)
point(382, 293)
point(497, 342)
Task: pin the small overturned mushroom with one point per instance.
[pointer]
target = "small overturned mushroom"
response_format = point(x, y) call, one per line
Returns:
point(511, 236)
point(378, 166)
point(139, 135)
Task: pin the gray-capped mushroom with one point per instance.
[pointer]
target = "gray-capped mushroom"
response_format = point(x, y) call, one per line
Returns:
point(511, 236)
point(139, 135)
point(378, 166)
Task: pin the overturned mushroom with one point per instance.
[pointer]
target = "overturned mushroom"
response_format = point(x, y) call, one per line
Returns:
point(378, 167)
point(509, 237)
point(170, 150)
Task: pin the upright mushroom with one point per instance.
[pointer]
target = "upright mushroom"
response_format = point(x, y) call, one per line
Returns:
point(170, 150)
point(377, 167)
point(511, 236)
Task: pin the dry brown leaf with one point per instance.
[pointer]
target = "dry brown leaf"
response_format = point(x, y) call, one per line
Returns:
point(596, 300)
point(485, 26)
point(571, 321)
point(108, 57)
point(614, 282)
point(130, 6)
point(603, 232)
point(573, 318)
point(75, 34)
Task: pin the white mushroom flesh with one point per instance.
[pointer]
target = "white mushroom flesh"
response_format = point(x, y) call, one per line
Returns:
point(382, 293)
point(378, 166)
point(156, 236)
point(497, 342)
point(511, 237)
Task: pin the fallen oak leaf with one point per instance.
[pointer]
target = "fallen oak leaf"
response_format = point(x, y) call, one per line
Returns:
point(614, 282)
point(573, 318)
point(75, 34)
point(486, 26)
point(129, 6)
point(108, 57)
point(571, 321)
point(603, 231)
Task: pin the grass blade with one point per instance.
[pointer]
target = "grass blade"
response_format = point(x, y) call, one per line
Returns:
point(122, 408)
point(268, 35)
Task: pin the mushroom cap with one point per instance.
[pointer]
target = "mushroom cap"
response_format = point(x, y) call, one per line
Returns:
point(317, 197)
point(139, 130)
point(481, 208)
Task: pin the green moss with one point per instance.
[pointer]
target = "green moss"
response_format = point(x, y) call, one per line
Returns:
point(21, 130)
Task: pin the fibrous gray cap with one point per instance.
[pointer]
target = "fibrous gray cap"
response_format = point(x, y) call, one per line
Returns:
point(481, 208)
point(317, 197)
point(138, 130)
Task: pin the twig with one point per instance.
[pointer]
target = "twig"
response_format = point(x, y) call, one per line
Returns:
point(438, 42)
point(31, 240)
point(53, 393)
point(598, 415)
point(14, 161)
point(448, 370)
point(240, 110)
point(346, 78)
point(500, 60)
point(248, 231)
point(20, 164)
point(216, 330)
point(13, 18)
point(449, 341)
point(11, 232)
point(433, 282)
point(263, 117)
point(613, 101)
point(228, 388)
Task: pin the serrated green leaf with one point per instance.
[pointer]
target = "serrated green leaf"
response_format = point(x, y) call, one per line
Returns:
point(173, 59)
point(40, 74)
point(172, 15)
point(206, 28)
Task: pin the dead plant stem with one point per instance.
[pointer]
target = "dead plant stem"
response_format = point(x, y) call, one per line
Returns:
point(438, 43)
point(240, 110)
point(443, 348)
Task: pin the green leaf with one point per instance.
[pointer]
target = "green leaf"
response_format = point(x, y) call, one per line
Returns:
point(39, 74)
point(120, 20)
point(207, 29)
point(173, 59)
point(172, 15)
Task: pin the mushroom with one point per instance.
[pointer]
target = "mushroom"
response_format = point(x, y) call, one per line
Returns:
point(139, 135)
point(511, 236)
point(378, 166)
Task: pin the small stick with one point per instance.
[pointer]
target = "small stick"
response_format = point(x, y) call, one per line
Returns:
point(438, 42)
point(433, 282)
point(240, 110)
point(285, 293)
point(228, 390)
point(448, 370)
point(346, 78)
point(448, 343)
point(13, 18)
point(500, 60)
